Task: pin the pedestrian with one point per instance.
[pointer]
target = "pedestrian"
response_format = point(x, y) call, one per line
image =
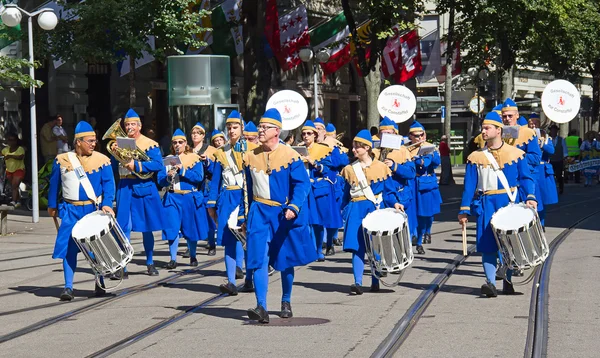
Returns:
point(62, 141)
point(557, 160)
point(48, 140)
point(446, 177)
point(14, 160)
point(573, 142)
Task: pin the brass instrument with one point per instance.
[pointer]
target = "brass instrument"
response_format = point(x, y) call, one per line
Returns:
point(384, 153)
point(124, 155)
point(340, 136)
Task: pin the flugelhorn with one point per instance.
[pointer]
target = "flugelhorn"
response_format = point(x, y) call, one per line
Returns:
point(124, 155)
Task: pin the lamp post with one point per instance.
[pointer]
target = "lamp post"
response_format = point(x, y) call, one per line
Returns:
point(306, 55)
point(478, 74)
point(11, 16)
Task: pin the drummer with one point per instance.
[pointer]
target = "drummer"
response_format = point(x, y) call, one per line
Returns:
point(183, 203)
point(378, 190)
point(493, 196)
point(76, 203)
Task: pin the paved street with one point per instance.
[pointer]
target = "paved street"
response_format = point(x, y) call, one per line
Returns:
point(328, 321)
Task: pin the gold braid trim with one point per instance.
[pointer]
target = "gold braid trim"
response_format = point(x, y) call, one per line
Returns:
point(374, 173)
point(90, 164)
point(505, 155)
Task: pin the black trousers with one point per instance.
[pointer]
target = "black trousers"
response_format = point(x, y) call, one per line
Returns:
point(558, 174)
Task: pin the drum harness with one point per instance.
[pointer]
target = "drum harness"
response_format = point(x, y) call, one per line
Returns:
point(512, 196)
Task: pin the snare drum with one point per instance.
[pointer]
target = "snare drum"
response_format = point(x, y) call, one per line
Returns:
point(236, 230)
point(520, 236)
point(103, 243)
point(387, 242)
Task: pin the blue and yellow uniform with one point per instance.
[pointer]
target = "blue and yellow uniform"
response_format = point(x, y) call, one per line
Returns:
point(226, 194)
point(139, 207)
point(356, 206)
point(76, 204)
point(484, 194)
point(339, 159)
point(548, 194)
point(425, 189)
point(277, 180)
point(183, 203)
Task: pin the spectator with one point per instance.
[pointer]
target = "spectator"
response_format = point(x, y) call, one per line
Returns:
point(62, 142)
point(289, 140)
point(573, 142)
point(446, 177)
point(14, 159)
point(48, 140)
point(558, 158)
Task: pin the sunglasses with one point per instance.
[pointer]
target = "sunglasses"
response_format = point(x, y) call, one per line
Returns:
point(418, 135)
point(90, 141)
point(178, 142)
point(307, 133)
point(265, 128)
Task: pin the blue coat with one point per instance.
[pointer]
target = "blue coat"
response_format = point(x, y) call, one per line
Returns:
point(183, 203)
point(277, 180)
point(322, 205)
point(545, 178)
point(483, 193)
point(99, 172)
point(425, 186)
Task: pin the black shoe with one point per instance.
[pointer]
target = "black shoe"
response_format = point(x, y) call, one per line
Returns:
point(152, 271)
point(508, 288)
point(414, 241)
point(212, 251)
point(420, 250)
point(99, 291)
point(271, 270)
point(258, 314)
point(375, 288)
point(323, 246)
point(489, 290)
point(518, 273)
point(194, 262)
point(356, 289)
point(119, 275)
point(186, 254)
point(330, 251)
point(67, 294)
point(171, 265)
point(228, 288)
point(248, 287)
point(321, 259)
point(427, 239)
point(286, 310)
point(239, 273)
point(337, 242)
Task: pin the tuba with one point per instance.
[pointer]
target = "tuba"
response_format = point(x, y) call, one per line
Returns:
point(124, 155)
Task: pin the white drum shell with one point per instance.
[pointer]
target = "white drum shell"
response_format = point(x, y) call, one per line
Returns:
point(107, 251)
point(390, 251)
point(524, 247)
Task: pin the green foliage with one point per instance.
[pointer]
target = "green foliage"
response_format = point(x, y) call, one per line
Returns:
point(110, 30)
point(12, 70)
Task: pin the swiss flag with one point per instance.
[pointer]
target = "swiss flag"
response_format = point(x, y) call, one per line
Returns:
point(411, 57)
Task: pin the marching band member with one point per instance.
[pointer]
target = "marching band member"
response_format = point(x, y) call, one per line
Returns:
point(321, 200)
point(225, 194)
point(206, 153)
point(321, 131)
point(368, 185)
point(545, 174)
point(138, 203)
point(482, 182)
point(425, 189)
point(403, 170)
point(339, 159)
point(183, 199)
point(251, 133)
point(479, 139)
point(277, 225)
point(69, 173)
point(217, 138)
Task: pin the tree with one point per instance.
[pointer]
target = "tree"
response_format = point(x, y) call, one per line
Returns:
point(384, 14)
point(110, 30)
point(13, 69)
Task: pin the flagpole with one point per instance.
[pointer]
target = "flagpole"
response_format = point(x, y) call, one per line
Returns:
point(316, 89)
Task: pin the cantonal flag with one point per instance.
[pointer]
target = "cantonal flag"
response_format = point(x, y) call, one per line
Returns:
point(228, 37)
point(293, 36)
point(332, 36)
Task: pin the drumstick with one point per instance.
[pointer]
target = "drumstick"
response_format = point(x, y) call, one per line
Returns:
point(464, 239)
point(55, 222)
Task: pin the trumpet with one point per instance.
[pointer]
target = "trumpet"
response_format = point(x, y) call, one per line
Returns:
point(124, 155)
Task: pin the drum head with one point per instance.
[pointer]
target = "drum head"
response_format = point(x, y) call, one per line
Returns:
point(384, 220)
point(233, 218)
point(92, 225)
point(512, 217)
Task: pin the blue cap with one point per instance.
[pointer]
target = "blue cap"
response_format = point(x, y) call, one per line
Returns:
point(199, 126)
point(416, 127)
point(396, 128)
point(330, 129)
point(386, 123)
point(132, 116)
point(309, 126)
point(320, 121)
point(509, 105)
point(234, 117)
point(498, 108)
point(364, 137)
point(271, 116)
point(216, 133)
point(534, 115)
point(494, 119)
point(84, 129)
point(522, 121)
point(178, 134)
point(250, 129)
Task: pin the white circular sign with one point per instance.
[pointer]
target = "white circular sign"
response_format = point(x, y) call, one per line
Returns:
point(477, 104)
point(398, 103)
point(561, 101)
point(292, 107)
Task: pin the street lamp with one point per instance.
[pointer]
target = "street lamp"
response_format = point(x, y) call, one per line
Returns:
point(11, 17)
point(306, 54)
point(478, 75)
